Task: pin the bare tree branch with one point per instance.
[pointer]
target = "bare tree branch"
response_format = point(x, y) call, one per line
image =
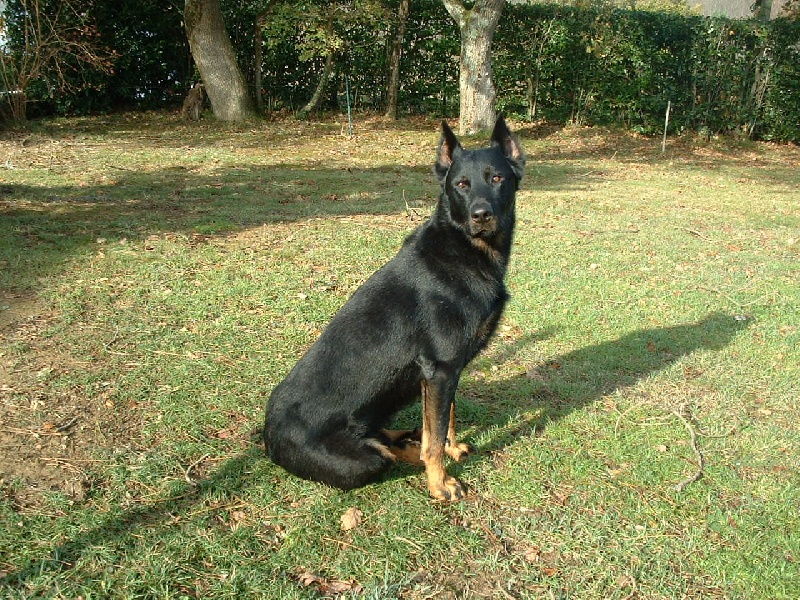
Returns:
point(49, 42)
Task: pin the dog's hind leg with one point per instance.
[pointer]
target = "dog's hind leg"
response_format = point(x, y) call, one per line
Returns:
point(341, 460)
point(404, 445)
point(394, 436)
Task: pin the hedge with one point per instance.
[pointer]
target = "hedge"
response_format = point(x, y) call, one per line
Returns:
point(616, 66)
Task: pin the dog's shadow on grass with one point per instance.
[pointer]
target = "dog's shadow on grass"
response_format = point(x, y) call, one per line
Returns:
point(495, 413)
point(554, 387)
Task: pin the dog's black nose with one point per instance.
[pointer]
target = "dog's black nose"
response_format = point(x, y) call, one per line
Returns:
point(482, 215)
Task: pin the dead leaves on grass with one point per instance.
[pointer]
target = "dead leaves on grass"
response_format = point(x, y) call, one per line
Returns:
point(327, 587)
point(351, 518)
point(544, 561)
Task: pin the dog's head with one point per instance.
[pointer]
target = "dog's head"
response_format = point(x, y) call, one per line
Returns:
point(479, 186)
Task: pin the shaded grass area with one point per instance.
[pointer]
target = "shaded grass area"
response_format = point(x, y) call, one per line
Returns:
point(158, 280)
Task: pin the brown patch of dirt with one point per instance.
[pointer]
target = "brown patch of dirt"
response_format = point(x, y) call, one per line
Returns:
point(49, 440)
point(16, 307)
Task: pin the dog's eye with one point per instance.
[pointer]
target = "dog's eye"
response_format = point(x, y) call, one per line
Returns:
point(463, 184)
point(497, 178)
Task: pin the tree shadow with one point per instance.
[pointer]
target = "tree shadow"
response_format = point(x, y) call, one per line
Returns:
point(42, 227)
point(122, 529)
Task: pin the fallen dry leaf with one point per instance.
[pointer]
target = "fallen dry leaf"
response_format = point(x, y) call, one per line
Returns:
point(532, 555)
point(351, 518)
point(328, 586)
point(308, 578)
point(549, 572)
point(224, 434)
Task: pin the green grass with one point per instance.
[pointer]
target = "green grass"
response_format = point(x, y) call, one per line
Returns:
point(157, 279)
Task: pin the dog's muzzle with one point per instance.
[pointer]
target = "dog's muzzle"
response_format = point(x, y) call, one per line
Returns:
point(482, 221)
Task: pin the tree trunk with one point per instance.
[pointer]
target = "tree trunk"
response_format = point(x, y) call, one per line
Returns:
point(18, 106)
point(215, 59)
point(394, 60)
point(476, 89)
point(312, 105)
point(258, 40)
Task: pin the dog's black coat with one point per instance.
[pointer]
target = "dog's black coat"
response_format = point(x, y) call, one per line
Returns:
point(418, 320)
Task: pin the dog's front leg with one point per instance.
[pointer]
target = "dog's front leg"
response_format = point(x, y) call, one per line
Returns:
point(437, 401)
point(455, 450)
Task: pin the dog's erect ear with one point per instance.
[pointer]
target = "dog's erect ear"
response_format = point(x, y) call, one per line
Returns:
point(448, 146)
point(509, 144)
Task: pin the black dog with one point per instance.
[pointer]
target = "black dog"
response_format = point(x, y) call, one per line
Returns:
point(409, 330)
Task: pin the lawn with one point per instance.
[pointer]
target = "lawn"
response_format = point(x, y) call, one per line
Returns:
point(636, 416)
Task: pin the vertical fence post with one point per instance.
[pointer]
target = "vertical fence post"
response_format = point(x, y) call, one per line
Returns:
point(349, 115)
point(666, 124)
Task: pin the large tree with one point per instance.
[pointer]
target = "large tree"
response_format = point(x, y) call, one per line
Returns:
point(476, 89)
point(215, 59)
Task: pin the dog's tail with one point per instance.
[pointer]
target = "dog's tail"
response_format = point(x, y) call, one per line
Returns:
point(340, 459)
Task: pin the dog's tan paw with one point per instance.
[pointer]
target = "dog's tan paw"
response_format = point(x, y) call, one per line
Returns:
point(449, 490)
point(459, 452)
point(408, 452)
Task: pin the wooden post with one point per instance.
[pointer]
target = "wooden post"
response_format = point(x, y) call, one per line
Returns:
point(666, 124)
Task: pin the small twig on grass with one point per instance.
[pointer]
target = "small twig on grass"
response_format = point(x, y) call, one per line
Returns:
point(409, 542)
point(21, 431)
point(188, 470)
point(504, 593)
point(697, 234)
point(410, 211)
point(732, 300)
point(693, 440)
point(65, 426)
point(61, 462)
point(119, 167)
point(46, 429)
point(343, 544)
point(621, 416)
point(632, 581)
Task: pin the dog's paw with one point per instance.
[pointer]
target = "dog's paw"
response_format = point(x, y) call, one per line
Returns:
point(449, 490)
point(410, 435)
point(408, 452)
point(459, 452)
